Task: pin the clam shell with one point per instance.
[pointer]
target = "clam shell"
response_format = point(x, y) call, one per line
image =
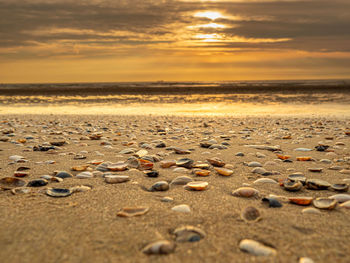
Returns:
point(80, 168)
point(84, 175)
point(185, 162)
point(160, 186)
point(264, 181)
point(20, 190)
point(159, 247)
point(317, 184)
point(202, 172)
point(325, 203)
point(37, 183)
point(340, 187)
point(292, 186)
point(181, 180)
point(345, 205)
point(62, 174)
point(116, 179)
point(20, 174)
point(315, 170)
point(118, 167)
point(250, 214)
point(341, 198)
point(151, 174)
point(197, 185)
point(216, 162)
point(256, 248)
point(189, 234)
point(58, 192)
point(254, 164)
point(167, 163)
point(311, 211)
point(132, 211)
point(283, 157)
point(204, 166)
point(297, 177)
point(96, 162)
point(245, 192)
point(80, 188)
point(224, 171)
point(301, 200)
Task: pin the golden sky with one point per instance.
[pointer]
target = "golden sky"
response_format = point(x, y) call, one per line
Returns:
point(173, 40)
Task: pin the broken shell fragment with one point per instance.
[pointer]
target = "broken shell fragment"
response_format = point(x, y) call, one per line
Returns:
point(58, 192)
point(345, 205)
point(132, 211)
point(80, 168)
point(256, 248)
point(189, 234)
point(250, 214)
point(159, 247)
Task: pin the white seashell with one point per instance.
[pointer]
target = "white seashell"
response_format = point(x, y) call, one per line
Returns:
point(311, 210)
point(341, 198)
point(254, 164)
point(159, 247)
point(265, 181)
point(116, 179)
point(182, 209)
point(345, 205)
point(255, 248)
point(84, 175)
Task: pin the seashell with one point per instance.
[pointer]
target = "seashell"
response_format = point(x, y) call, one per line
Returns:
point(301, 200)
point(325, 203)
point(96, 162)
point(84, 175)
point(304, 159)
point(133, 211)
point(62, 174)
point(141, 153)
point(311, 210)
point(204, 166)
point(297, 177)
point(56, 179)
point(18, 159)
point(303, 150)
point(245, 192)
point(181, 151)
point(20, 174)
point(167, 163)
point(255, 248)
point(58, 143)
point(317, 184)
point(180, 170)
point(118, 167)
point(95, 136)
point(80, 188)
point(341, 198)
point(23, 168)
point(145, 164)
point(265, 181)
point(240, 154)
point(116, 179)
point(80, 168)
point(197, 186)
point(292, 186)
point(254, 164)
point(224, 171)
point(181, 209)
point(345, 205)
point(167, 199)
point(250, 214)
point(273, 202)
point(260, 170)
point(283, 157)
point(315, 170)
point(20, 190)
point(37, 183)
point(159, 186)
point(127, 151)
point(159, 247)
point(152, 174)
point(340, 187)
point(181, 180)
point(216, 162)
point(58, 192)
point(189, 234)
point(185, 162)
point(345, 171)
point(264, 147)
point(79, 157)
point(202, 172)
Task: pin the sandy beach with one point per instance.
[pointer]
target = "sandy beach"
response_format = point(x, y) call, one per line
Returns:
point(84, 226)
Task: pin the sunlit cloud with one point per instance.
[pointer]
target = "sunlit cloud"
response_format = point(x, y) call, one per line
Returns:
point(212, 15)
point(210, 25)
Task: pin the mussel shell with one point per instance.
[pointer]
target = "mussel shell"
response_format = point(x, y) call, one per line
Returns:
point(317, 184)
point(297, 177)
point(340, 187)
point(292, 186)
point(58, 192)
point(325, 203)
point(8, 183)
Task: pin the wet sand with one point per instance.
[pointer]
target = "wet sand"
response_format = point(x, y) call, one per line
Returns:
point(35, 227)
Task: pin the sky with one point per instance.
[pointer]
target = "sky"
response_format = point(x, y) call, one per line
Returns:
point(173, 40)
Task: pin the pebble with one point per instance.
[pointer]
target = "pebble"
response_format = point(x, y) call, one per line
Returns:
point(245, 192)
point(181, 209)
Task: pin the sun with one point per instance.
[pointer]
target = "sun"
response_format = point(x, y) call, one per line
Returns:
point(212, 15)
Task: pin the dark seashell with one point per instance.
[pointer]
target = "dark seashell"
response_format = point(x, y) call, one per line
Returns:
point(23, 168)
point(250, 214)
point(152, 174)
point(185, 162)
point(317, 184)
point(205, 145)
point(189, 234)
point(8, 183)
point(62, 174)
point(321, 148)
point(161, 145)
point(340, 187)
point(287, 161)
point(37, 183)
point(272, 202)
point(58, 143)
point(58, 192)
point(292, 186)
